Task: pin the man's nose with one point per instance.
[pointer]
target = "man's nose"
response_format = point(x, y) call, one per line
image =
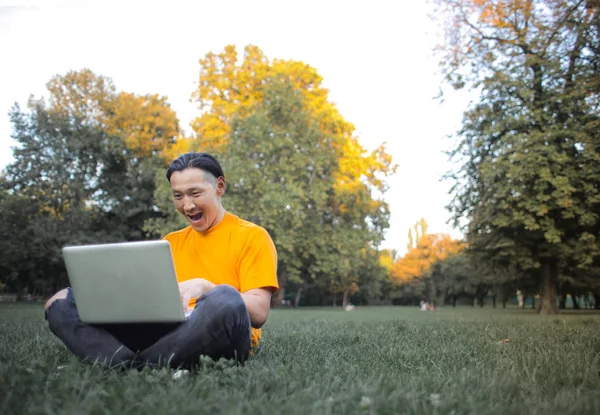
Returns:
point(188, 204)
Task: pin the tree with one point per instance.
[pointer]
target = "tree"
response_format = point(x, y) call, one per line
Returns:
point(374, 276)
point(85, 162)
point(228, 87)
point(137, 130)
point(387, 257)
point(146, 124)
point(460, 277)
point(236, 95)
point(419, 260)
point(417, 273)
point(56, 162)
point(471, 274)
point(16, 213)
point(279, 169)
point(529, 179)
point(420, 229)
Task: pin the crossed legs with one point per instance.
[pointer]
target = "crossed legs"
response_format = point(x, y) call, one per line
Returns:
point(218, 327)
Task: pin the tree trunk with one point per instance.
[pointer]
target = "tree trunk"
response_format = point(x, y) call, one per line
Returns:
point(575, 302)
point(504, 303)
point(481, 301)
point(20, 293)
point(433, 292)
point(494, 301)
point(276, 299)
point(453, 301)
point(524, 301)
point(562, 301)
point(297, 299)
point(597, 301)
point(548, 287)
point(346, 299)
point(334, 299)
point(533, 302)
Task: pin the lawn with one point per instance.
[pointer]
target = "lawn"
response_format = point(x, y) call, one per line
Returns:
point(371, 361)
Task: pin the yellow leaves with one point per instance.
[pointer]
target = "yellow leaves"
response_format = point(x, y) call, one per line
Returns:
point(386, 259)
point(493, 14)
point(429, 249)
point(147, 124)
point(180, 146)
point(228, 87)
point(213, 131)
point(81, 95)
point(496, 13)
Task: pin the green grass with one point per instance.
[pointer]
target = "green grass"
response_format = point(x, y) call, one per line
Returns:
point(322, 361)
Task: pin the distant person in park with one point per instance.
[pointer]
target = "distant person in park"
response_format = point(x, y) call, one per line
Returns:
point(425, 306)
point(227, 271)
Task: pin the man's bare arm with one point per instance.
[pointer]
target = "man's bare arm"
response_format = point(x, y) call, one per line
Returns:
point(257, 300)
point(258, 303)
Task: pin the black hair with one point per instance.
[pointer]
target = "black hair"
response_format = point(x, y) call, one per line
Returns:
point(202, 161)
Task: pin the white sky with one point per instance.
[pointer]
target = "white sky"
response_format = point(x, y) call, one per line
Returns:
point(375, 56)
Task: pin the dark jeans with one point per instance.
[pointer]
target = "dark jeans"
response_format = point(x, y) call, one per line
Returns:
point(218, 327)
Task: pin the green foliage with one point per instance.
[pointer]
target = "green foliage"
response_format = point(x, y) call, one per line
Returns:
point(89, 167)
point(280, 175)
point(170, 219)
point(78, 175)
point(32, 239)
point(529, 149)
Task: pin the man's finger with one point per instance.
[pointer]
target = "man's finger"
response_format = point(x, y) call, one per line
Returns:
point(185, 301)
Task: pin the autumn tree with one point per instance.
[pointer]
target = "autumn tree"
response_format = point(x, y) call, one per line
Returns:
point(387, 257)
point(420, 229)
point(279, 169)
point(138, 129)
point(529, 179)
point(85, 159)
point(229, 86)
point(417, 272)
point(233, 92)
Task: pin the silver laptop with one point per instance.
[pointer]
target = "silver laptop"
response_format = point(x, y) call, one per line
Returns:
point(130, 282)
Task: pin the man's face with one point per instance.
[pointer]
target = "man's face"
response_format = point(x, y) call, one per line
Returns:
point(197, 196)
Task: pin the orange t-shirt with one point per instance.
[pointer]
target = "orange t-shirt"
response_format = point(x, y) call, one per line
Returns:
point(234, 252)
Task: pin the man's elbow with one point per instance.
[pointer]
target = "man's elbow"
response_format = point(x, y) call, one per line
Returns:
point(258, 304)
point(258, 319)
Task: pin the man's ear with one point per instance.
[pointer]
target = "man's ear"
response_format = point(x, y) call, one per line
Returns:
point(221, 186)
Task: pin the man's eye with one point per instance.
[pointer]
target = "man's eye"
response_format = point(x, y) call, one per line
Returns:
point(196, 193)
point(177, 196)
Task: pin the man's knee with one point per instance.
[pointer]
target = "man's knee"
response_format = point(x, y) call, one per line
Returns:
point(227, 297)
point(61, 295)
point(225, 290)
point(224, 302)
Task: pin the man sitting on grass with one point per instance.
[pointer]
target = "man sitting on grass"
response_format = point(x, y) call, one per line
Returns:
point(226, 268)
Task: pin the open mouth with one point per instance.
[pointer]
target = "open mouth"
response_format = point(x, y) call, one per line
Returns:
point(196, 218)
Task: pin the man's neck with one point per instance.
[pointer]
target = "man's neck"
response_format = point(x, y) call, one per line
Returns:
point(220, 217)
point(218, 220)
